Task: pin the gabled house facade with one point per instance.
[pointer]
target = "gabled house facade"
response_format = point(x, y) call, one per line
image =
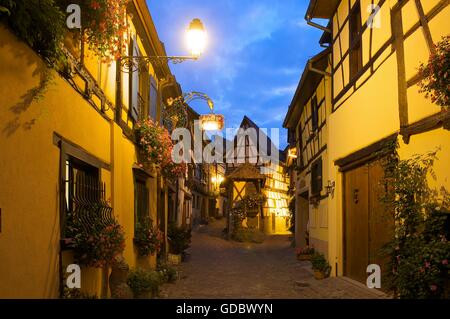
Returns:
point(376, 48)
point(306, 122)
point(250, 148)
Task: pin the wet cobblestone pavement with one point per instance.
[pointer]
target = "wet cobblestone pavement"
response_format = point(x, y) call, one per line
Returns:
point(217, 268)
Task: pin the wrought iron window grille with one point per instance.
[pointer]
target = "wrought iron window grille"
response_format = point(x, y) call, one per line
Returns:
point(87, 205)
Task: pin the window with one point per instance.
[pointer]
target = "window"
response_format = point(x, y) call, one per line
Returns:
point(84, 197)
point(291, 136)
point(314, 114)
point(316, 177)
point(141, 198)
point(79, 178)
point(198, 172)
point(355, 41)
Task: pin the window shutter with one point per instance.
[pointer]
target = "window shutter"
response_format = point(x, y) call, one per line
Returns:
point(314, 114)
point(153, 99)
point(319, 175)
point(135, 85)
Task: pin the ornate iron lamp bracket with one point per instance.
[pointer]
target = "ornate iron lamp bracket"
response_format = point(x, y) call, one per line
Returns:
point(130, 64)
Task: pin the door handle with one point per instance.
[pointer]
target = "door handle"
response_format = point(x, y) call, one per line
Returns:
point(356, 196)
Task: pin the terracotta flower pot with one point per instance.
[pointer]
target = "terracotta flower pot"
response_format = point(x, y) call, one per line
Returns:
point(174, 259)
point(319, 275)
point(303, 257)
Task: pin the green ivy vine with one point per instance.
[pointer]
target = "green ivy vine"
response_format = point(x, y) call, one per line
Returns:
point(419, 253)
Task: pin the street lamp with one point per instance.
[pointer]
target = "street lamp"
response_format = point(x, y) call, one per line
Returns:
point(196, 41)
point(196, 38)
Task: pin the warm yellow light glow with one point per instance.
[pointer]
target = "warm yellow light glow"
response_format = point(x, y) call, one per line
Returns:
point(196, 38)
point(212, 122)
point(210, 126)
point(292, 153)
point(217, 180)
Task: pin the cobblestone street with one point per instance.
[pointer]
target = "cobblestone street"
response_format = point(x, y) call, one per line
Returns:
point(217, 268)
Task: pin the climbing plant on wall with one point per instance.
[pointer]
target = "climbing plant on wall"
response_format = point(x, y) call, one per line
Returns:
point(420, 249)
point(435, 75)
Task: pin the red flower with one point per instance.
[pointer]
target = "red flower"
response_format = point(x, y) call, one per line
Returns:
point(95, 5)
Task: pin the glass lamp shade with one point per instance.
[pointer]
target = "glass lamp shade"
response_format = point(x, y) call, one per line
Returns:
point(212, 122)
point(196, 37)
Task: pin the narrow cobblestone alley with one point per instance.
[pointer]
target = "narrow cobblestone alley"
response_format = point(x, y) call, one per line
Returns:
point(217, 268)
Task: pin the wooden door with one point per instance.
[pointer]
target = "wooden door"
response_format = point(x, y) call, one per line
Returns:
point(367, 224)
point(356, 223)
point(381, 222)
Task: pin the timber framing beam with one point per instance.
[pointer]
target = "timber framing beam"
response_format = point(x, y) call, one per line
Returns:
point(397, 32)
point(427, 124)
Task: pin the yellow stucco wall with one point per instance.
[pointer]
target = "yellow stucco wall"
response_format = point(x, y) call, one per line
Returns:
point(29, 179)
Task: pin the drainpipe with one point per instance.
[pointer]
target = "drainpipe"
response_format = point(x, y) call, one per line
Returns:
point(316, 25)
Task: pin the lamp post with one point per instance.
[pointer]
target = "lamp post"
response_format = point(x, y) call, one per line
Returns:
point(196, 41)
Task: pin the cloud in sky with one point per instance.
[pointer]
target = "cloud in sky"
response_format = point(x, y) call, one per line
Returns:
point(288, 90)
point(255, 55)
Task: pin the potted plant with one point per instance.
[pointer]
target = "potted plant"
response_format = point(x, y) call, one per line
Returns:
point(147, 238)
point(320, 266)
point(167, 273)
point(144, 283)
point(179, 241)
point(305, 253)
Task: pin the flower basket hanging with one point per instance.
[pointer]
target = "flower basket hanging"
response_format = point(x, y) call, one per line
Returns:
point(104, 23)
point(156, 148)
point(252, 212)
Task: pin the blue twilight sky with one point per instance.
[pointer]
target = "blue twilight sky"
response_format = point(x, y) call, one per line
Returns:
point(254, 59)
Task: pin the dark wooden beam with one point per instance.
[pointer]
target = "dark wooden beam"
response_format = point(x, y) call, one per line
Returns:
point(425, 26)
point(365, 153)
point(427, 124)
point(397, 33)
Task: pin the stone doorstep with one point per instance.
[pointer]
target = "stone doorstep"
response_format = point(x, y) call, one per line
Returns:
point(359, 285)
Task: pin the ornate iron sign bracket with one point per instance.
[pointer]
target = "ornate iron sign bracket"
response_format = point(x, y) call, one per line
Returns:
point(130, 64)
